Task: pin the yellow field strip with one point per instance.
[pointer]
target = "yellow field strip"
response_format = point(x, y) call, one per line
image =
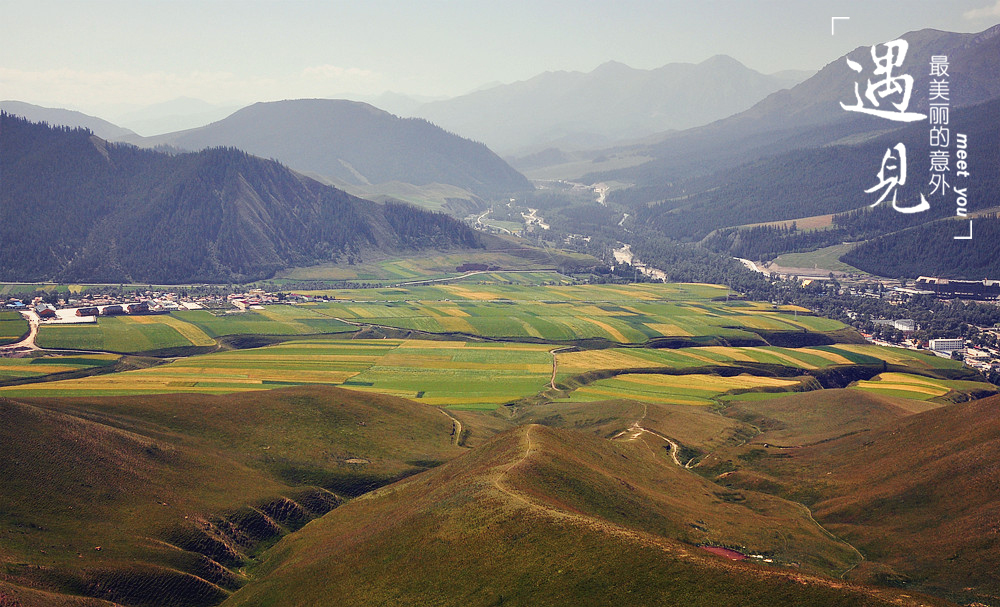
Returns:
point(190, 332)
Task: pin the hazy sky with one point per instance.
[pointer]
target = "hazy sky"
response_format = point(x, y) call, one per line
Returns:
point(96, 55)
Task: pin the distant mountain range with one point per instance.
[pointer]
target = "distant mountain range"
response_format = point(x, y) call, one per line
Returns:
point(354, 143)
point(613, 102)
point(809, 114)
point(77, 208)
point(174, 115)
point(798, 154)
point(71, 118)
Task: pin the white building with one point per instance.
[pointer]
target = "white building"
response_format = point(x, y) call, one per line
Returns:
point(943, 345)
point(905, 324)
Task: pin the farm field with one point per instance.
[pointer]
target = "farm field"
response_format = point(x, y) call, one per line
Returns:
point(466, 375)
point(492, 307)
point(921, 388)
point(114, 334)
point(38, 366)
point(693, 389)
point(433, 267)
point(12, 327)
point(272, 320)
point(470, 375)
point(573, 363)
point(617, 313)
point(907, 358)
point(184, 329)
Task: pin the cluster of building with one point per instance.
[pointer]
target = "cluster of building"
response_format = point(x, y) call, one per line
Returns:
point(961, 289)
point(90, 306)
point(984, 359)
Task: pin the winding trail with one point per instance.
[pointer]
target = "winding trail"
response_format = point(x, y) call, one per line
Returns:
point(500, 482)
point(456, 427)
point(555, 365)
point(635, 432)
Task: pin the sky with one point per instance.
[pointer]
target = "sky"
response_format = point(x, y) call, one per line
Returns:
point(105, 57)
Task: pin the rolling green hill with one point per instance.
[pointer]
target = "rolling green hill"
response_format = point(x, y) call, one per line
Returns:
point(914, 494)
point(165, 500)
point(555, 517)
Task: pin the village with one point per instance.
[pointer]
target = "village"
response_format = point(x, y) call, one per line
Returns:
point(86, 308)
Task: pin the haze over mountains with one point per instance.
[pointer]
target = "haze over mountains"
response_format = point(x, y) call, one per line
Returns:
point(773, 161)
point(71, 118)
point(809, 114)
point(354, 143)
point(798, 154)
point(174, 115)
point(612, 102)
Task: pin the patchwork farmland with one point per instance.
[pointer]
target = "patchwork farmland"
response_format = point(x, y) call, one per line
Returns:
point(695, 314)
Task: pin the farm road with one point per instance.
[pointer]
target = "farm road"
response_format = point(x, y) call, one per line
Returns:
point(29, 341)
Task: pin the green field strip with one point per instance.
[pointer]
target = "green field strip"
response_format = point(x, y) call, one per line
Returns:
point(114, 334)
point(13, 326)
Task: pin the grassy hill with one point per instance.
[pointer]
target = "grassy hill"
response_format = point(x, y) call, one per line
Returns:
point(545, 516)
point(914, 494)
point(164, 500)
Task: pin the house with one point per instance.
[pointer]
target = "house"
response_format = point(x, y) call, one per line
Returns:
point(114, 310)
point(88, 312)
point(138, 308)
point(45, 311)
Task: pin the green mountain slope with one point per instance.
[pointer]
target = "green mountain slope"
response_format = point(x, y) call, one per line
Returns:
point(163, 500)
point(915, 495)
point(76, 208)
point(554, 517)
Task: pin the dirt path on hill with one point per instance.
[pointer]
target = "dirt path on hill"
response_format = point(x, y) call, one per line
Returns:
point(456, 427)
point(555, 365)
point(500, 482)
point(635, 432)
point(646, 539)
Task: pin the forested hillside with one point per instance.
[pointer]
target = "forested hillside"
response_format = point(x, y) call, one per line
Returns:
point(76, 208)
point(833, 179)
point(909, 254)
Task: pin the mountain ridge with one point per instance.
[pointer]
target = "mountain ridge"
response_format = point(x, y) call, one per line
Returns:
point(63, 117)
point(103, 212)
point(353, 142)
point(613, 101)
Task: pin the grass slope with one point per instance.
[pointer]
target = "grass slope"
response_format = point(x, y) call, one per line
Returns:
point(163, 500)
point(811, 417)
point(554, 517)
point(916, 495)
